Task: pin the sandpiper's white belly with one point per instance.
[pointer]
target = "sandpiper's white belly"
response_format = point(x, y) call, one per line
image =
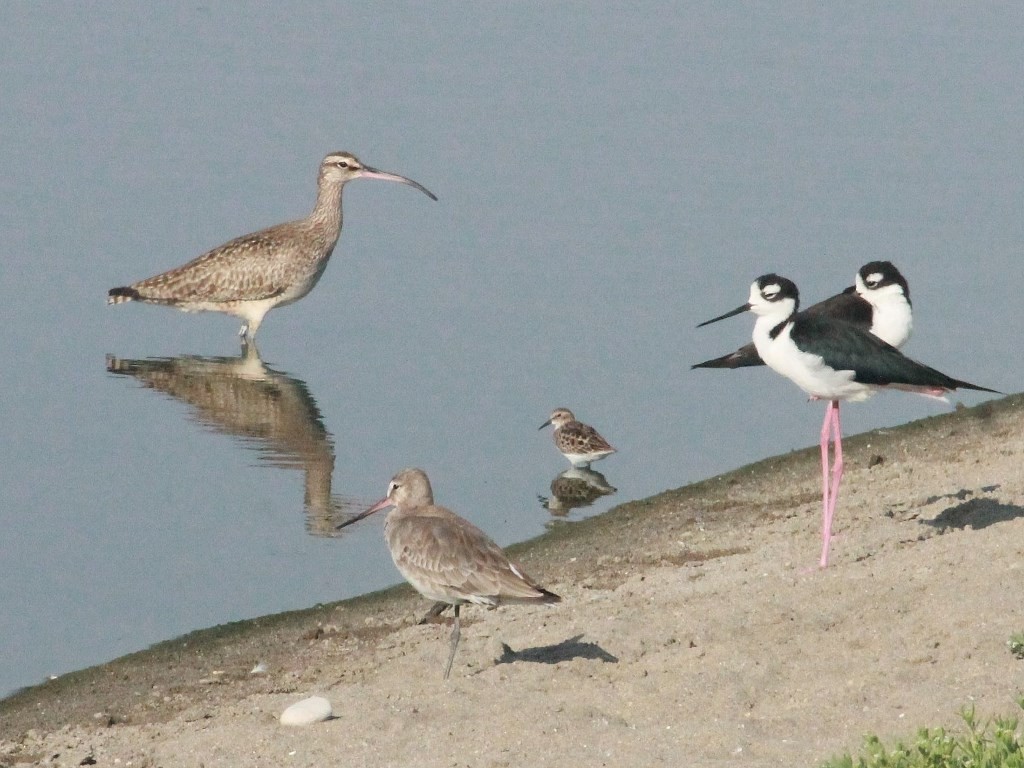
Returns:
point(580, 460)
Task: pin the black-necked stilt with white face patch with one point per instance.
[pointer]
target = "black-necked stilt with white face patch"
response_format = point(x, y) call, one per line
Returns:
point(831, 360)
point(878, 302)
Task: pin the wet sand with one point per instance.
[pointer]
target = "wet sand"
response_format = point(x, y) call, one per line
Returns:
point(695, 630)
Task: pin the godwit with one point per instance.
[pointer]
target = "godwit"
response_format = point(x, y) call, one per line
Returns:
point(446, 558)
point(580, 443)
point(251, 275)
point(879, 302)
point(831, 360)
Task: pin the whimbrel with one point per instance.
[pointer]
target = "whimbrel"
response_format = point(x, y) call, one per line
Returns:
point(879, 302)
point(251, 275)
point(580, 443)
point(831, 360)
point(446, 558)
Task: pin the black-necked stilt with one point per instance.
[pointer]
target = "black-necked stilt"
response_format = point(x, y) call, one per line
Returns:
point(878, 302)
point(831, 360)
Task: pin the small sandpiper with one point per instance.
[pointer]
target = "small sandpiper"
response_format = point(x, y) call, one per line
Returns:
point(580, 443)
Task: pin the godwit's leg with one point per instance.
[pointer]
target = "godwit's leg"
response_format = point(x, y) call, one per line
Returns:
point(455, 644)
point(830, 432)
point(435, 610)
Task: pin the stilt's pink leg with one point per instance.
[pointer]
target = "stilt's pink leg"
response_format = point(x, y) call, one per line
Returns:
point(825, 532)
point(832, 429)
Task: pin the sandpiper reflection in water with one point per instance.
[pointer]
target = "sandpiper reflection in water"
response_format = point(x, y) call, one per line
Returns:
point(575, 488)
point(268, 411)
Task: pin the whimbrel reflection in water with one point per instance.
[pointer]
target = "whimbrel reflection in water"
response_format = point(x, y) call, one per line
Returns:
point(268, 411)
point(576, 487)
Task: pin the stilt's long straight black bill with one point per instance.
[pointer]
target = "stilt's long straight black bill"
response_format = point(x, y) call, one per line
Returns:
point(738, 310)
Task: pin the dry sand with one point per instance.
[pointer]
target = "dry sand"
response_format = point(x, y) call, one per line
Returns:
point(695, 631)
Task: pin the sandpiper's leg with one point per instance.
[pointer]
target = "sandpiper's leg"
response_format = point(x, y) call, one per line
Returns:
point(435, 610)
point(455, 644)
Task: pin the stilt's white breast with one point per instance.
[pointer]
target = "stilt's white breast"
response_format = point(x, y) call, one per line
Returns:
point(808, 371)
point(892, 319)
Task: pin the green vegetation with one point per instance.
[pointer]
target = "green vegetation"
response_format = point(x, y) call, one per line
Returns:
point(1016, 643)
point(994, 744)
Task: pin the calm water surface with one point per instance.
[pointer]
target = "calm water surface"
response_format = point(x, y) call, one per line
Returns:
point(607, 179)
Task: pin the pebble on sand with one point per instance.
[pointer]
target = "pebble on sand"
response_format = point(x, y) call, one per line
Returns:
point(306, 712)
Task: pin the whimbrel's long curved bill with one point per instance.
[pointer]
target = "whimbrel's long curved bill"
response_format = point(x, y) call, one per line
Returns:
point(374, 173)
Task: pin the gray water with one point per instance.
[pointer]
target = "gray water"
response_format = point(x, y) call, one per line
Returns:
point(608, 177)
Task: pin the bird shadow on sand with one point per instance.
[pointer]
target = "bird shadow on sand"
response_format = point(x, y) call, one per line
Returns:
point(975, 514)
point(567, 650)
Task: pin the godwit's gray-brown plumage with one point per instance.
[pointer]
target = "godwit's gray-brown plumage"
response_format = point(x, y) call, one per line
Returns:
point(251, 275)
point(446, 558)
point(580, 443)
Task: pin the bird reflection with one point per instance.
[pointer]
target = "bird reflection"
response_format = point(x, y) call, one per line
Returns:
point(576, 487)
point(268, 411)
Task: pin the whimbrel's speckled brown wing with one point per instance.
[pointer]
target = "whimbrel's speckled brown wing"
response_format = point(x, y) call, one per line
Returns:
point(248, 268)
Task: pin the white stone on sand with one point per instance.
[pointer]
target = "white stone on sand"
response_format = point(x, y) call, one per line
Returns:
point(306, 712)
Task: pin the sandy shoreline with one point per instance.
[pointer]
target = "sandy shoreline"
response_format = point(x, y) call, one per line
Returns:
point(694, 632)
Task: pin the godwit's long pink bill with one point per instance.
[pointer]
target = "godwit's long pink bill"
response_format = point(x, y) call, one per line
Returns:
point(446, 558)
point(831, 360)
